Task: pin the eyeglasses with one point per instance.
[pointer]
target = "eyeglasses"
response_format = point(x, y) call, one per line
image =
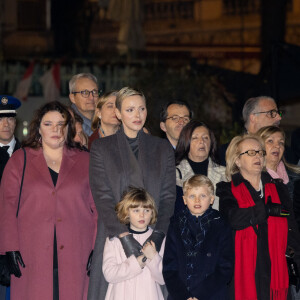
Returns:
point(261, 153)
point(176, 119)
point(270, 113)
point(86, 93)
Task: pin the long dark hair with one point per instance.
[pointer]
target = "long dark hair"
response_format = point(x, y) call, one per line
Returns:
point(34, 137)
point(184, 142)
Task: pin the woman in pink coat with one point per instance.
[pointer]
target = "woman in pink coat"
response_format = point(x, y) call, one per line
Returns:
point(54, 232)
point(134, 273)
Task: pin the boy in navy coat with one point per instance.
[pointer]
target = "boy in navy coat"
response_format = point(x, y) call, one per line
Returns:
point(199, 255)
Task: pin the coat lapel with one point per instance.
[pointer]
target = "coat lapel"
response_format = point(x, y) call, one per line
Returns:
point(67, 164)
point(122, 147)
point(186, 172)
point(212, 172)
point(39, 164)
point(144, 161)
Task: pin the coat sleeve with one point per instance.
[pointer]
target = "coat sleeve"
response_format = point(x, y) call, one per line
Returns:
point(176, 287)
point(167, 192)
point(224, 268)
point(9, 198)
point(102, 191)
point(238, 218)
point(296, 201)
point(293, 233)
point(155, 265)
point(115, 271)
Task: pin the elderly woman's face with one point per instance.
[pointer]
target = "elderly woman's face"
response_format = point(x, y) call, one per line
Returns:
point(274, 147)
point(53, 130)
point(200, 144)
point(250, 165)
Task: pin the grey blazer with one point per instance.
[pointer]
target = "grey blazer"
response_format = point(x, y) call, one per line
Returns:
point(110, 176)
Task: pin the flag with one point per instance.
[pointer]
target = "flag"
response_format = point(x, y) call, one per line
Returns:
point(51, 83)
point(23, 87)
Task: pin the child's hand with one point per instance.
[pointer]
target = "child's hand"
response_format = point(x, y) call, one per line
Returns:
point(149, 250)
point(142, 261)
point(192, 298)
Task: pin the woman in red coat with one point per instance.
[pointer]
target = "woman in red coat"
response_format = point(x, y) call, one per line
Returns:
point(49, 243)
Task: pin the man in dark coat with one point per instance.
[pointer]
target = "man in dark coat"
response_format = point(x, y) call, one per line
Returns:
point(8, 145)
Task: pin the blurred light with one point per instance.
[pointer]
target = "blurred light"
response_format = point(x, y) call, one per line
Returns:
point(25, 129)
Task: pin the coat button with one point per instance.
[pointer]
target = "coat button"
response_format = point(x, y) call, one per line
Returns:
point(208, 254)
point(61, 247)
point(53, 193)
point(59, 220)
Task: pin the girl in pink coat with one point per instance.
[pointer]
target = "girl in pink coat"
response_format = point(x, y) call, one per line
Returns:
point(132, 265)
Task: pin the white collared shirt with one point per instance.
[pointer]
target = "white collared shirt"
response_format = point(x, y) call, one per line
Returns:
point(11, 145)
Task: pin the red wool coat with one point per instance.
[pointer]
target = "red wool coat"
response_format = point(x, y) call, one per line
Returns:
point(68, 207)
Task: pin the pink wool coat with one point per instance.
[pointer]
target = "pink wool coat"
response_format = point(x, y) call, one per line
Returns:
point(126, 278)
point(68, 206)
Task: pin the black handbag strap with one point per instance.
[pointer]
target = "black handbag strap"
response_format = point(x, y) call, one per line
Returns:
point(21, 181)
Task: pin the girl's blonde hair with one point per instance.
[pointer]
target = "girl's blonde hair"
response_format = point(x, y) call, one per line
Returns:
point(265, 132)
point(133, 198)
point(101, 101)
point(233, 152)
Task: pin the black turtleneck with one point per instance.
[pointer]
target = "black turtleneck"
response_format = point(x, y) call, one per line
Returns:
point(134, 145)
point(199, 168)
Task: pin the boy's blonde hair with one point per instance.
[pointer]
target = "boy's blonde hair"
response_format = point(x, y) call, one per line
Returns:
point(198, 181)
point(133, 198)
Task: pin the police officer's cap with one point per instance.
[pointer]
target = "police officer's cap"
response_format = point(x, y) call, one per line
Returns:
point(8, 106)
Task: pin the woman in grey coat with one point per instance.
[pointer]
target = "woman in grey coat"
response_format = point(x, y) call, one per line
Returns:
point(128, 158)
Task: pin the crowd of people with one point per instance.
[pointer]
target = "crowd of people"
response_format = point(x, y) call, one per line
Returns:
point(92, 206)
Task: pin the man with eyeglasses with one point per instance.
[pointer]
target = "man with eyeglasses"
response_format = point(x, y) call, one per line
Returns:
point(173, 117)
point(259, 112)
point(84, 94)
point(8, 145)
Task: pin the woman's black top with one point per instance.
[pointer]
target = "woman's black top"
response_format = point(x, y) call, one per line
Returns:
point(54, 177)
point(134, 145)
point(199, 167)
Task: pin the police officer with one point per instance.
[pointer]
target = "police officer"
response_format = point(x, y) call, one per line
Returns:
point(8, 145)
point(8, 142)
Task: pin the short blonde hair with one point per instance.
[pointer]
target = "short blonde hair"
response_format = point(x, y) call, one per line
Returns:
point(198, 181)
point(101, 101)
point(233, 152)
point(133, 198)
point(126, 92)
